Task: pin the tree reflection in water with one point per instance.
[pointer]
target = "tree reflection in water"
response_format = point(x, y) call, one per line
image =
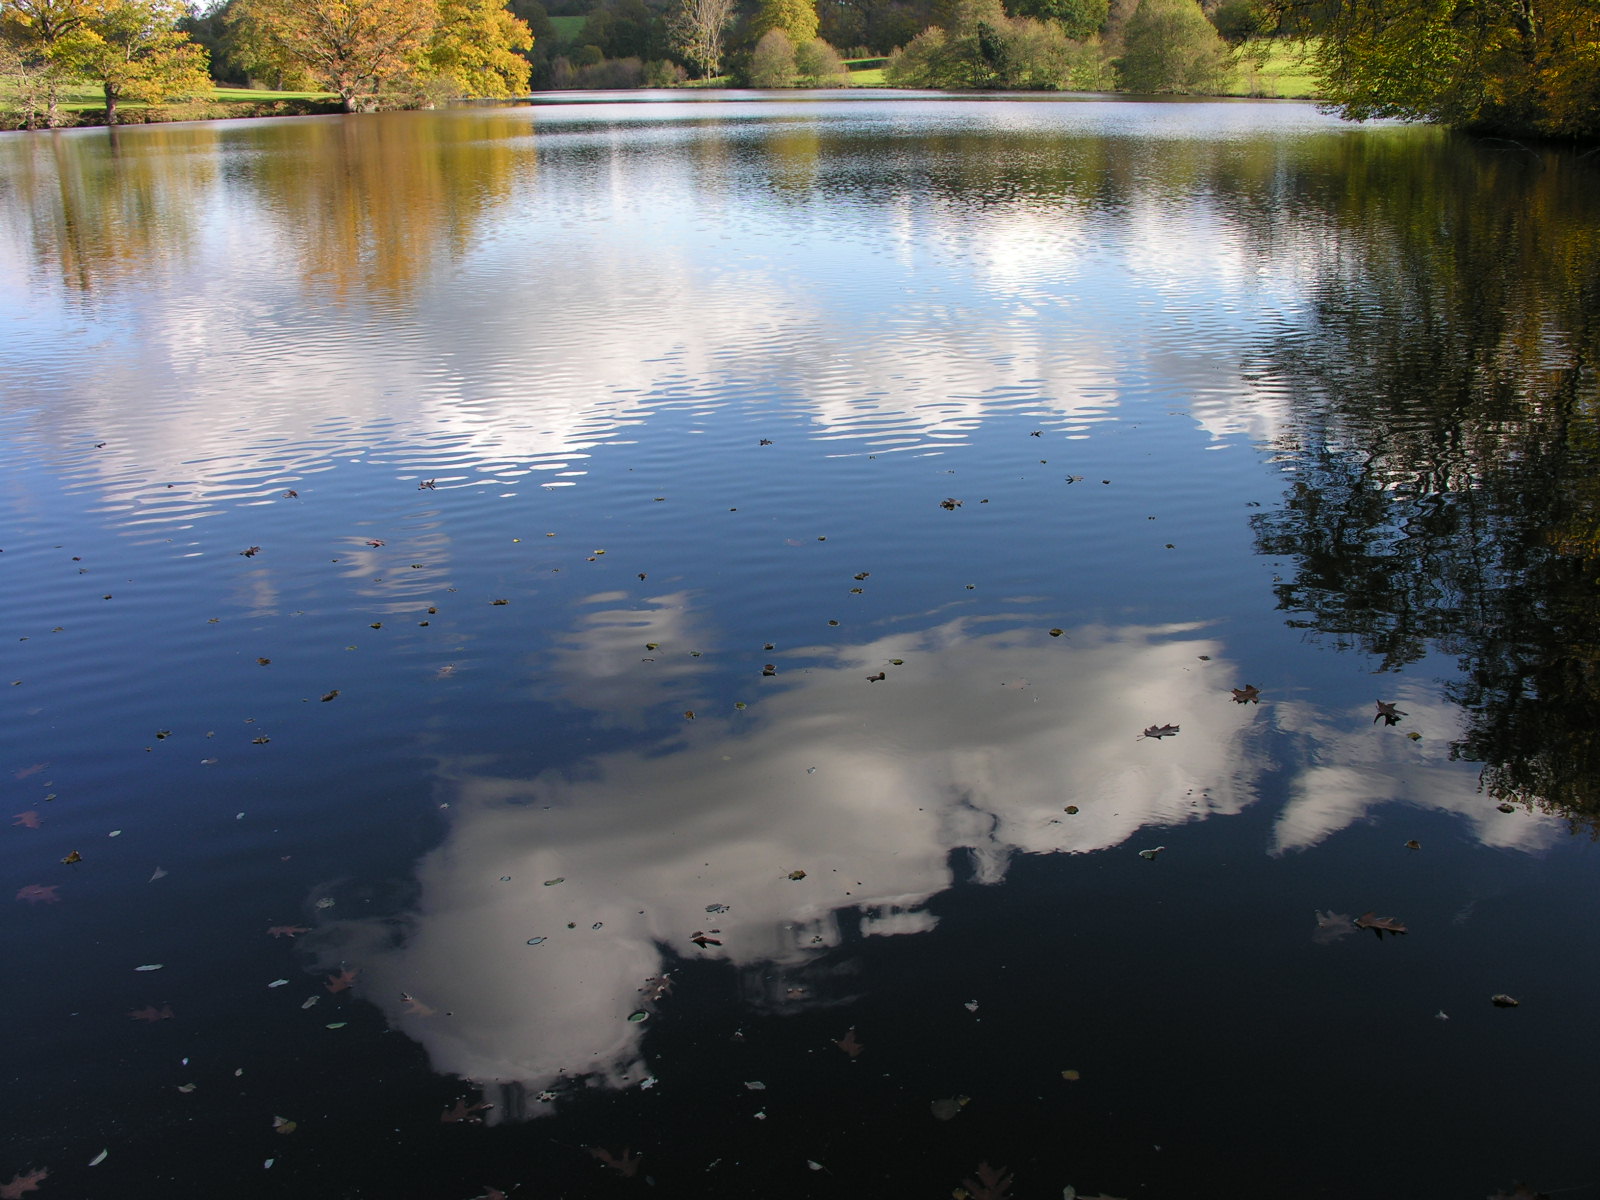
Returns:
point(1444, 448)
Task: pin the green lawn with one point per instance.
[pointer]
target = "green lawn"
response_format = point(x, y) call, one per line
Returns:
point(79, 99)
point(567, 28)
point(1284, 72)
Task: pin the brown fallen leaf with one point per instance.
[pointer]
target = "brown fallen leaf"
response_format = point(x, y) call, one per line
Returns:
point(341, 982)
point(1159, 731)
point(251, 552)
point(287, 931)
point(28, 1182)
point(702, 940)
point(1501, 1000)
point(72, 857)
point(152, 1014)
point(990, 1184)
point(415, 1007)
point(376, 542)
point(950, 502)
point(627, 1165)
point(28, 820)
point(1388, 713)
point(878, 678)
point(1248, 694)
point(849, 1044)
point(36, 893)
point(1413, 844)
point(463, 1112)
point(1379, 925)
point(333, 695)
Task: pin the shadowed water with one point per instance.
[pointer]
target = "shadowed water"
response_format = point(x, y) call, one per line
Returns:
point(659, 618)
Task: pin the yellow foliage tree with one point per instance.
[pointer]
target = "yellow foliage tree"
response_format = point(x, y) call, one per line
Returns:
point(797, 18)
point(361, 48)
point(134, 50)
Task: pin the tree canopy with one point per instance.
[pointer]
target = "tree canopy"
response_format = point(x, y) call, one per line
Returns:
point(361, 49)
point(1528, 66)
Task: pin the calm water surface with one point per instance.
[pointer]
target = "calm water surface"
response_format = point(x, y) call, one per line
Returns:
point(644, 617)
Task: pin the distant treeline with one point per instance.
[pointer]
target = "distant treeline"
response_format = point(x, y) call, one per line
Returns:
point(1499, 67)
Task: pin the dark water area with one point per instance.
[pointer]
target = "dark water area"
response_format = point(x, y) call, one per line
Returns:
point(661, 620)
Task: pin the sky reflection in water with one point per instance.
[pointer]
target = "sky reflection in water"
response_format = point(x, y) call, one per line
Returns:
point(680, 383)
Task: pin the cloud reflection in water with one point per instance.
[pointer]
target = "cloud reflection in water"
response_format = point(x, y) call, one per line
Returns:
point(978, 742)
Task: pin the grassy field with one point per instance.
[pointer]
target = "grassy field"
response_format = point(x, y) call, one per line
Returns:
point(1284, 72)
point(567, 28)
point(81, 99)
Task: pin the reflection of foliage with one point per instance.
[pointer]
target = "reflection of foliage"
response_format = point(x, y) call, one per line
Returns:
point(1446, 452)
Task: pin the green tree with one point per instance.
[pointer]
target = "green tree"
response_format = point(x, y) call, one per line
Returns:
point(797, 18)
point(772, 61)
point(135, 51)
point(34, 38)
point(697, 30)
point(1506, 66)
point(1169, 46)
point(1079, 19)
point(818, 64)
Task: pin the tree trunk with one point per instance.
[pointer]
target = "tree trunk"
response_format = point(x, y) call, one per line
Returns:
point(111, 105)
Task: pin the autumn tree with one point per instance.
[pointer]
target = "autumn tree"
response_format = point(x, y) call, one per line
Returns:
point(135, 51)
point(34, 72)
point(697, 30)
point(476, 46)
point(361, 48)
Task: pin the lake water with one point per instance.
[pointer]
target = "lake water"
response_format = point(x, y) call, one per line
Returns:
point(661, 618)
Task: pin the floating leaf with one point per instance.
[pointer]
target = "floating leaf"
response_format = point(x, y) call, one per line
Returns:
point(72, 857)
point(340, 982)
point(950, 502)
point(251, 551)
point(1160, 731)
point(284, 1125)
point(1057, 632)
point(1071, 810)
point(330, 695)
point(537, 941)
point(499, 602)
point(1248, 694)
point(1506, 808)
point(556, 880)
point(639, 1016)
point(703, 940)
point(1388, 713)
point(150, 967)
point(878, 678)
point(944, 1110)
point(1150, 855)
point(151, 1014)
point(1501, 1000)
point(28, 820)
point(849, 1043)
point(99, 1158)
point(797, 874)
point(1379, 925)
point(1413, 844)
point(28, 1182)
